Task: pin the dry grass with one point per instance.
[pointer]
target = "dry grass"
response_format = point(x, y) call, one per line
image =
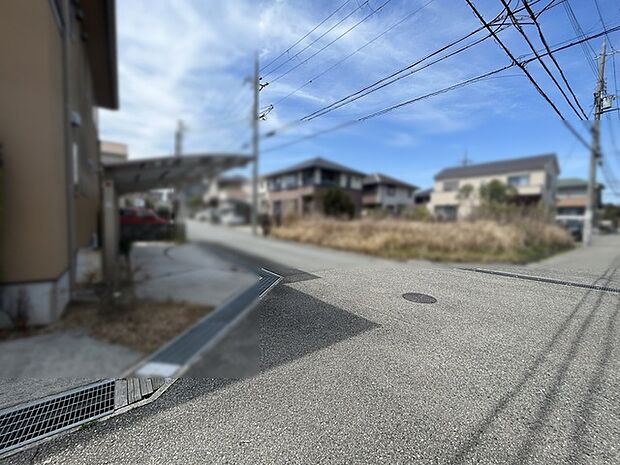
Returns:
point(143, 326)
point(476, 241)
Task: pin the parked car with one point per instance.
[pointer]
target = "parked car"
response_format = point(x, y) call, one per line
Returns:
point(208, 215)
point(231, 217)
point(143, 224)
point(574, 227)
point(135, 215)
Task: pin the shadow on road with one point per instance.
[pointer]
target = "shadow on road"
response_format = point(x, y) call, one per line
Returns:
point(550, 394)
point(287, 325)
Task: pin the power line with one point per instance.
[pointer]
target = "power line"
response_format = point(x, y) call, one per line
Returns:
point(342, 60)
point(579, 31)
point(393, 77)
point(488, 75)
point(330, 43)
point(551, 56)
point(317, 114)
point(600, 16)
point(393, 107)
point(305, 35)
point(315, 40)
point(610, 178)
point(550, 5)
point(523, 59)
point(514, 60)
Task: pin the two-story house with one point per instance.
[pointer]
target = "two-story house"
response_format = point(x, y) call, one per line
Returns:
point(571, 200)
point(381, 192)
point(298, 190)
point(534, 178)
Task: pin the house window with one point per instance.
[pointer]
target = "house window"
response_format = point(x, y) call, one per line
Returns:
point(451, 185)
point(307, 177)
point(390, 191)
point(330, 178)
point(519, 180)
point(290, 181)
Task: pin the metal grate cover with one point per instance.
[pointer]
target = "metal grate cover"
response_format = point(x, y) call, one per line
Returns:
point(419, 298)
point(26, 423)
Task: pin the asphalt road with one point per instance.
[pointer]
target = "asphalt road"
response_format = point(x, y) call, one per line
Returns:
point(334, 366)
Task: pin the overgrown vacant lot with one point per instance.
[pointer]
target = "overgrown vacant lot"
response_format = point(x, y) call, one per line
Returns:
point(475, 241)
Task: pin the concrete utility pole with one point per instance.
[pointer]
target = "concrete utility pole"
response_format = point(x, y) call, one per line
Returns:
point(595, 149)
point(256, 84)
point(178, 138)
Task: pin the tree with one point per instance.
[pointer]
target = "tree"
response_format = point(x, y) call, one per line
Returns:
point(337, 203)
point(465, 192)
point(496, 192)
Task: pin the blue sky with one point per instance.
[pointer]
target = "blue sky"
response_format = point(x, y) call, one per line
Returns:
point(190, 60)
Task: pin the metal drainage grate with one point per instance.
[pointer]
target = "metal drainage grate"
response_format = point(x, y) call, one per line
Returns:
point(419, 298)
point(23, 424)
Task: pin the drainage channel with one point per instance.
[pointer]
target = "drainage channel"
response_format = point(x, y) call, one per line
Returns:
point(543, 279)
point(25, 424)
point(175, 357)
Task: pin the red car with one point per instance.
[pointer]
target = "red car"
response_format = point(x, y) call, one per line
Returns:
point(136, 215)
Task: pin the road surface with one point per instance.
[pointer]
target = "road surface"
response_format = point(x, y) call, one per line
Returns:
point(336, 367)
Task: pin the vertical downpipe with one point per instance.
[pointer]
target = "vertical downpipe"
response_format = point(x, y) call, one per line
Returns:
point(66, 90)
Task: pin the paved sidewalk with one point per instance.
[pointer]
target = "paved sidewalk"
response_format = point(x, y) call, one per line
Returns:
point(187, 272)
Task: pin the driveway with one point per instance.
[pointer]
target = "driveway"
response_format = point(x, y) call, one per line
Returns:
point(334, 366)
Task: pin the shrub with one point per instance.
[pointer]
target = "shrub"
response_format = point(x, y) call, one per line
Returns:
point(496, 192)
point(337, 203)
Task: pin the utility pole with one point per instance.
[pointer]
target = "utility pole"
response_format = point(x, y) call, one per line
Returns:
point(595, 149)
point(256, 85)
point(178, 138)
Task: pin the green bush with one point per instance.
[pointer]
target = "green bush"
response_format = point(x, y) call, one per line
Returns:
point(337, 203)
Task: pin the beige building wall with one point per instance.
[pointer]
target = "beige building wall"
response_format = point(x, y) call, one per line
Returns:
point(50, 188)
point(33, 239)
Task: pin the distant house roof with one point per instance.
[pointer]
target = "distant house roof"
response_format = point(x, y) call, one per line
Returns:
point(499, 167)
point(315, 163)
point(575, 182)
point(423, 193)
point(379, 178)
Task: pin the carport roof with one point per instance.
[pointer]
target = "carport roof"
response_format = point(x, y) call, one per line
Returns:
point(163, 172)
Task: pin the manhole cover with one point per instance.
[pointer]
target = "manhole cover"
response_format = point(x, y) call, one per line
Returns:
point(420, 298)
